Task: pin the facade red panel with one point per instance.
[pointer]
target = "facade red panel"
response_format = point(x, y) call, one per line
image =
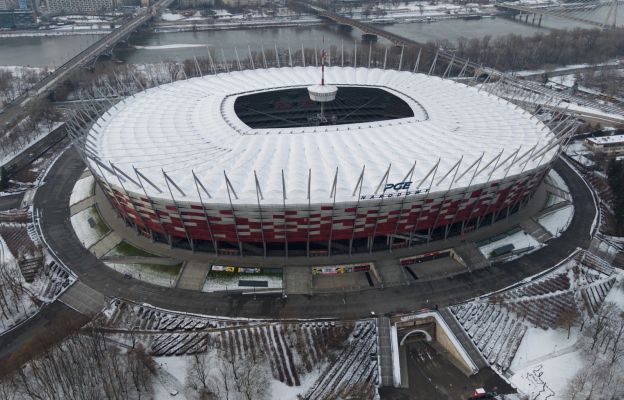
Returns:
point(343, 221)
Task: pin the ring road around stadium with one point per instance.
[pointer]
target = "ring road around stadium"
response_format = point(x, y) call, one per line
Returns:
point(246, 162)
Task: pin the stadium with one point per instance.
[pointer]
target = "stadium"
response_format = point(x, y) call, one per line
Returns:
point(268, 162)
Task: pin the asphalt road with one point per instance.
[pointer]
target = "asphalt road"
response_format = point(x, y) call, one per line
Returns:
point(432, 376)
point(53, 200)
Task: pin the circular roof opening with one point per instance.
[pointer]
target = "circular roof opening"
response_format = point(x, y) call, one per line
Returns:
point(292, 107)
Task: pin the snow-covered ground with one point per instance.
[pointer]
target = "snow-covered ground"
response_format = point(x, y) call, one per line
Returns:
point(520, 240)
point(89, 226)
point(161, 275)
point(556, 371)
point(16, 148)
point(547, 361)
point(171, 46)
point(558, 221)
point(83, 189)
point(215, 283)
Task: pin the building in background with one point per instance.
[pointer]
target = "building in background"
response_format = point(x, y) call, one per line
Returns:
point(195, 3)
point(244, 3)
point(17, 19)
point(79, 6)
point(609, 146)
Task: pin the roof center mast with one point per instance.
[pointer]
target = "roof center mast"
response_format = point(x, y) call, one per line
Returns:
point(322, 94)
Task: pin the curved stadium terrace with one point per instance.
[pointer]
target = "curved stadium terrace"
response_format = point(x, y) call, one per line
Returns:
point(238, 162)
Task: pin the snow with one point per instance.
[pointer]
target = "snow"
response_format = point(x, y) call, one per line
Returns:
point(616, 295)
point(161, 275)
point(83, 189)
point(557, 221)
point(281, 391)
point(539, 344)
point(166, 16)
point(7, 156)
point(557, 180)
point(396, 361)
point(215, 283)
point(88, 233)
point(520, 240)
point(557, 372)
point(211, 142)
point(176, 367)
point(170, 380)
point(170, 46)
point(564, 80)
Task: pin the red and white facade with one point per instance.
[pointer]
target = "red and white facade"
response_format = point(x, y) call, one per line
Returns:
point(177, 164)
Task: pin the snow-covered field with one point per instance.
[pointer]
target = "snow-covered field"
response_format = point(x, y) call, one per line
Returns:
point(215, 283)
point(161, 275)
point(83, 189)
point(558, 221)
point(89, 226)
point(520, 240)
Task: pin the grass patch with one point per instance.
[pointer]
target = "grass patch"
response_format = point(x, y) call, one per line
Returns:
point(158, 274)
point(126, 249)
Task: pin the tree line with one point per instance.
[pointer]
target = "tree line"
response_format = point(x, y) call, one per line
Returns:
point(615, 175)
point(558, 47)
point(85, 366)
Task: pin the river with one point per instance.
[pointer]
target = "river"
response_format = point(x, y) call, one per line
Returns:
point(155, 47)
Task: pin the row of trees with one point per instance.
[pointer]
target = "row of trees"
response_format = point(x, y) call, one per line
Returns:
point(41, 117)
point(13, 83)
point(16, 303)
point(602, 343)
point(222, 375)
point(615, 174)
point(559, 47)
point(85, 366)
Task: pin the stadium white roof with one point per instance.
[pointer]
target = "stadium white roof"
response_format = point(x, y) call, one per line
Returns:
point(190, 127)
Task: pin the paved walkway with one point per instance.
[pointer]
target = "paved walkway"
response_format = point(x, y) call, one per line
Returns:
point(81, 205)
point(385, 351)
point(537, 231)
point(557, 191)
point(553, 208)
point(472, 256)
point(53, 201)
point(193, 276)
point(105, 244)
point(297, 280)
point(83, 299)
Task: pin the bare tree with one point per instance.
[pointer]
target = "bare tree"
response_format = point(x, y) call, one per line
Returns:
point(568, 318)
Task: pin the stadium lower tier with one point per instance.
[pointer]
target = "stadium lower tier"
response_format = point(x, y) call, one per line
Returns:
point(320, 229)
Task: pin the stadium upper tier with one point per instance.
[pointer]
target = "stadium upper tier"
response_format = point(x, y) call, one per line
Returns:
point(175, 138)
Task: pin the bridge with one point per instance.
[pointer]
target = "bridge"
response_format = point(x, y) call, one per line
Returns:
point(559, 12)
point(615, 112)
point(87, 57)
